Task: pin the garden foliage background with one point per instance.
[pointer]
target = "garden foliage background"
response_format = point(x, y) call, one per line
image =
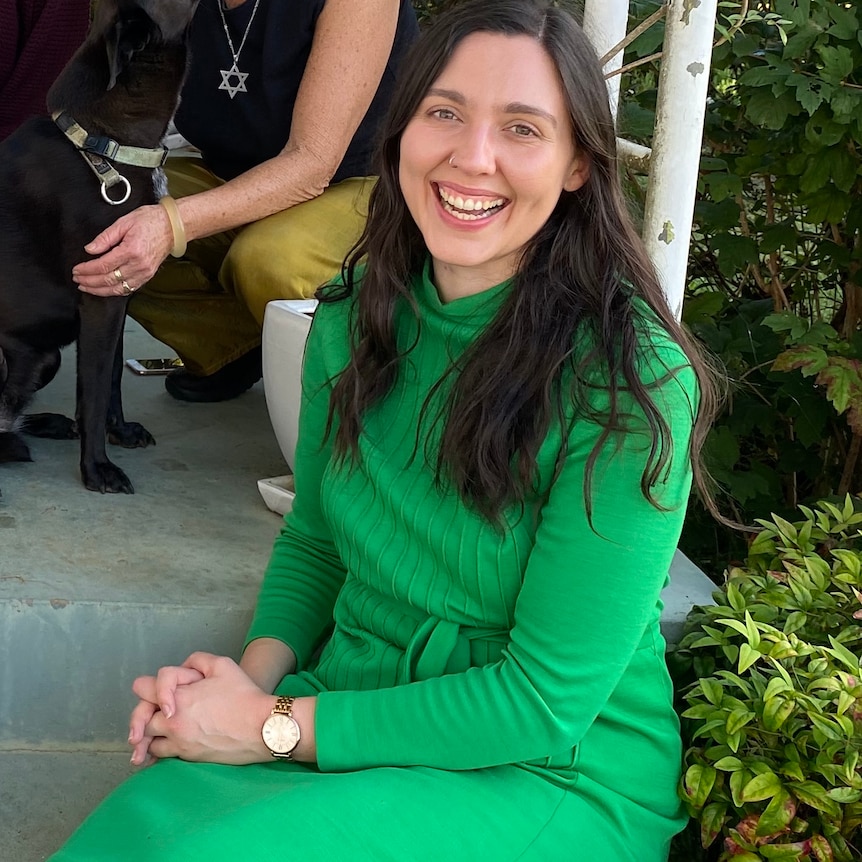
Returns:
point(775, 273)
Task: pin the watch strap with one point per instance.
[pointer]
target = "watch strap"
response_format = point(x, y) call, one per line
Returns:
point(284, 705)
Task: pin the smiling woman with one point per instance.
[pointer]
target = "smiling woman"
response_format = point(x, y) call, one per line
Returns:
point(499, 428)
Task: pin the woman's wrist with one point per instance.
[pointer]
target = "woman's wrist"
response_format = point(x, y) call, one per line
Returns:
point(267, 661)
point(303, 711)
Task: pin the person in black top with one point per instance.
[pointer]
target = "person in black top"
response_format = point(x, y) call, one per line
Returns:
point(282, 101)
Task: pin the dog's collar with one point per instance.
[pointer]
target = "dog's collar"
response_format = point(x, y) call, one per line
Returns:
point(101, 145)
point(97, 149)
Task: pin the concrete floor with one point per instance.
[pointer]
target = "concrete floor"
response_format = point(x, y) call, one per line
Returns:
point(97, 589)
point(44, 795)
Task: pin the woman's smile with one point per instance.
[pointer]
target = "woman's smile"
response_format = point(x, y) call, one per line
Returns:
point(469, 206)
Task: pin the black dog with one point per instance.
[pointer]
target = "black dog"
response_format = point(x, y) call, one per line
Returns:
point(121, 87)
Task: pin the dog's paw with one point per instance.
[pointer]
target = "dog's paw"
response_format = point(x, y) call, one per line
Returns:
point(13, 447)
point(52, 426)
point(130, 435)
point(106, 478)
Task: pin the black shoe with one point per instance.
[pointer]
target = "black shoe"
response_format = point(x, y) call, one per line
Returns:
point(228, 382)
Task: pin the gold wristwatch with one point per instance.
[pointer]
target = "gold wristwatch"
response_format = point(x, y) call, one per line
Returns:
point(280, 731)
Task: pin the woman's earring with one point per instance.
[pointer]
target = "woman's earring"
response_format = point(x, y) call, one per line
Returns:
point(452, 160)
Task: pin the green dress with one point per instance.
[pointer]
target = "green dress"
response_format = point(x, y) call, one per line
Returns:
point(483, 694)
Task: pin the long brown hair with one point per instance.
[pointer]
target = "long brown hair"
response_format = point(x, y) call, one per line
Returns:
point(573, 295)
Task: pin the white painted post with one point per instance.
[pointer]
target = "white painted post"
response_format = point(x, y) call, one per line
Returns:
point(676, 145)
point(605, 23)
point(673, 166)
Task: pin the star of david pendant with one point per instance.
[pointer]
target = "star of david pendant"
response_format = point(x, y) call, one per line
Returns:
point(233, 72)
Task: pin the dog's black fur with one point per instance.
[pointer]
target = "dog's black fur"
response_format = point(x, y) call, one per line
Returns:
point(124, 83)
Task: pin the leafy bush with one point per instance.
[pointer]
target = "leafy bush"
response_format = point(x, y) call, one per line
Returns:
point(773, 719)
point(791, 430)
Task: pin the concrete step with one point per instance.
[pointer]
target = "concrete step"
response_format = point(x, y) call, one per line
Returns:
point(45, 795)
point(81, 656)
point(688, 586)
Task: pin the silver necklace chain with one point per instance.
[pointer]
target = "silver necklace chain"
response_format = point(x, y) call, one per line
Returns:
point(234, 72)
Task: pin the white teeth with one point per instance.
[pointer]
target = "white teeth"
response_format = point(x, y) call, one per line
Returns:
point(466, 216)
point(470, 208)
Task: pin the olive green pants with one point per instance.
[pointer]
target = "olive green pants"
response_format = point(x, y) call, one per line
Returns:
point(209, 305)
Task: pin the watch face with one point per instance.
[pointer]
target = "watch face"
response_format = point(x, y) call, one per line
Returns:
point(280, 733)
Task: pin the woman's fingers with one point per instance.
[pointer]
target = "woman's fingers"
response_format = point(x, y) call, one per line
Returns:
point(167, 682)
point(161, 747)
point(161, 737)
point(145, 688)
point(107, 239)
point(138, 739)
point(159, 693)
point(141, 752)
point(205, 663)
point(197, 711)
point(140, 717)
point(157, 704)
point(128, 253)
point(159, 690)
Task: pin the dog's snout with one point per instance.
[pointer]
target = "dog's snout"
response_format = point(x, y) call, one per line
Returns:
point(171, 16)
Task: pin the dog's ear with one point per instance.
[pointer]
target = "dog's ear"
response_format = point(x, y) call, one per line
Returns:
point(130, 34)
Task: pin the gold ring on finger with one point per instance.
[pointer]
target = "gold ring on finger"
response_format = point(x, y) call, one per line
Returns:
point(127, 290)
point(118, 275)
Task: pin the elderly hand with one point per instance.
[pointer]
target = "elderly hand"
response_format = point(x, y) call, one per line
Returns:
point(128, 253)
point(212, 712)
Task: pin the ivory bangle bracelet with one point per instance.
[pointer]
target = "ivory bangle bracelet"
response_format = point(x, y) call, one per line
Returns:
point(177, 227)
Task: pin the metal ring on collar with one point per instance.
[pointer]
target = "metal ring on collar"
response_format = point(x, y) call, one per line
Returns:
point(124, 198)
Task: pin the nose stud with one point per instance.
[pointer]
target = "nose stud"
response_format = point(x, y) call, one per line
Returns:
point(452, 161)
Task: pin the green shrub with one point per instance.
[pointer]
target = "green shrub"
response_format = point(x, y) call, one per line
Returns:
point(773, 719)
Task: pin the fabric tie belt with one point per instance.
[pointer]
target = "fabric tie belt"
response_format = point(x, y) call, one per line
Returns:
point(429, 646)
point(439, 647)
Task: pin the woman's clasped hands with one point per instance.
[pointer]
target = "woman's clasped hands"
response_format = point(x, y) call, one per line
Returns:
point(206, 710)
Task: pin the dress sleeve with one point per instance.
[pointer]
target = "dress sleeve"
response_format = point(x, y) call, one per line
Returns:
point(587, 600)
point(305, 572)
